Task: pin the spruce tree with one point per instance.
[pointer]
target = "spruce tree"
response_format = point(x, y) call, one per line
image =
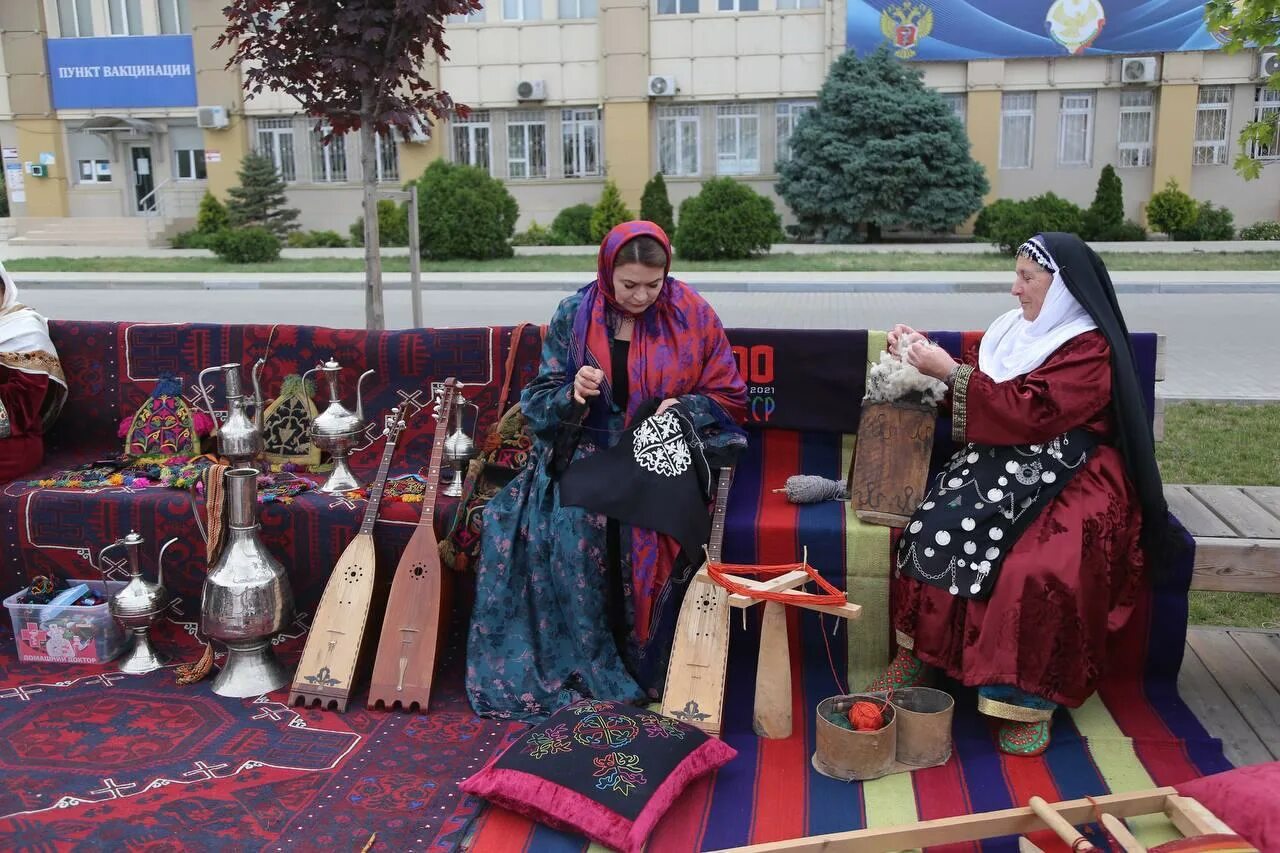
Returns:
point(259, 200)
point(212, 216)
point(610, 211)
point(655, 206)
point(1105, 217)
point(882, 149)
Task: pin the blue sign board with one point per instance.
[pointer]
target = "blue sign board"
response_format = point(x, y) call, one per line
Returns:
point(1006, 29)
point(122, 72)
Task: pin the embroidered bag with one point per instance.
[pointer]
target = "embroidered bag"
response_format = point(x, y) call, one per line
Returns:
point(164, 425)
point(503, 454)
point(286, 425)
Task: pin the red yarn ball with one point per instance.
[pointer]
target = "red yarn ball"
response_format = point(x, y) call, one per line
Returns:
point(866, 717)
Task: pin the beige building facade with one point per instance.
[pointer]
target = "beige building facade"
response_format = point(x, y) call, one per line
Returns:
point(567, 93)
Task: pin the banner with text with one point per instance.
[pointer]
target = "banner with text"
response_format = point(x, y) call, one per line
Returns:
point(122, 72)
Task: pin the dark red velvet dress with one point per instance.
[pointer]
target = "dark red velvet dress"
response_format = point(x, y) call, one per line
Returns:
point(1072, 577)
point(22, 395)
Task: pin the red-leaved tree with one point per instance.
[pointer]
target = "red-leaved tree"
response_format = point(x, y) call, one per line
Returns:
point(353, 65)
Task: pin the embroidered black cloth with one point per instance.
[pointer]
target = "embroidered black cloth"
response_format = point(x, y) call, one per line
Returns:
point(656, 477)
point(978, 506)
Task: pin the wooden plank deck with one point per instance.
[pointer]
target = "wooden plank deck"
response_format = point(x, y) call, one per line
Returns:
point(1231, 680)
point(1237, 532)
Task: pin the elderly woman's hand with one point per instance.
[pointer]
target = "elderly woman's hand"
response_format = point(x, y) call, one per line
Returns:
point(899, 332)
point(930, 359)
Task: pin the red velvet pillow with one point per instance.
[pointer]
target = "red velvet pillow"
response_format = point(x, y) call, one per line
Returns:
point(601, 769)
point(1246, 799)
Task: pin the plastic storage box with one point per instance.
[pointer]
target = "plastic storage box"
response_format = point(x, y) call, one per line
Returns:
point(73, 635)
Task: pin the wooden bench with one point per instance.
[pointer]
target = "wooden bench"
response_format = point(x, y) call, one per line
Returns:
point(1237, 533)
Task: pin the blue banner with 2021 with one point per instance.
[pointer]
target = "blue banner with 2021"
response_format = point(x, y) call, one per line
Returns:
point(122, 72)
point(996, 29)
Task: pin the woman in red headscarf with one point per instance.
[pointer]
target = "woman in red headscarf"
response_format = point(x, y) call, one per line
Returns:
point(567, 602)
point(32, 388)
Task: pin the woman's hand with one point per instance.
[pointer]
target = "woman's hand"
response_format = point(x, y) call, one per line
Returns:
point(666, 404)
point(930, 359)
point(897, 334)
point(586, 383)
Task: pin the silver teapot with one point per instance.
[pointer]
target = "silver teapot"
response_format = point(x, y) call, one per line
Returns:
point(337, 429)
point(459, 447)
point(246, 597)
point(139, 604)
point(239, 436)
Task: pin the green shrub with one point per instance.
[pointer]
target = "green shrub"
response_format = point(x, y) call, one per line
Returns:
point(250, 245)
point(1106, 215)
point(464, 213)
point(726, 220)
point(1212, 223)
point(1171, 210)
point(1261, 231)
point(1126, 232)
point(536, 235)
point(1008, 224)
point(393, 225)
point(194, 239)
point(212, 216)
point(609, 211)
point(572, 226)
point(316, 240)
point(655, 205)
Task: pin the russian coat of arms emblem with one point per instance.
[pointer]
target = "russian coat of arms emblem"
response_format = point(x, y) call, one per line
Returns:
point(905, 24)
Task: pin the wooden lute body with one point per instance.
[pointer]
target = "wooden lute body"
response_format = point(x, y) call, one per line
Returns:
point(331, 660)
point(417, 619)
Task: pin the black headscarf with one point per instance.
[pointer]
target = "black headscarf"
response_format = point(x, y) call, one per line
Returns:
point(1089, 282)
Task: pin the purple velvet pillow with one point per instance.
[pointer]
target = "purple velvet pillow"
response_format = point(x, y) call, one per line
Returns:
point(602, 769)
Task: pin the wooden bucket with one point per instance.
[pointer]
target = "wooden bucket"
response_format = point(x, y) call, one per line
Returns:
point(849, 755)
point(924, 725)
point(890, 469)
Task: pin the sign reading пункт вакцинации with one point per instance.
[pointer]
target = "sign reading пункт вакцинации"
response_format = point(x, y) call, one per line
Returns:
point(122, 72)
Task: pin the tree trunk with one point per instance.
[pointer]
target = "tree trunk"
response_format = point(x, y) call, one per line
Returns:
point(873, 232)
point(373, 315)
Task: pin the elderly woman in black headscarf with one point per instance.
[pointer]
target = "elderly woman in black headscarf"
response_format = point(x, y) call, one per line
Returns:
point(1028, 550)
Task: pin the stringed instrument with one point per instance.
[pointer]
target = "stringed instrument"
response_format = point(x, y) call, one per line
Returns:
point(331, 660)
point(694, 690)
point(416, 622)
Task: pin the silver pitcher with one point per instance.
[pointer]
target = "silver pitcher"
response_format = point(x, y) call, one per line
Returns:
point(459, 448)
point(139, 604)
point(337, 429)
point(239, 436)
point(246, 598)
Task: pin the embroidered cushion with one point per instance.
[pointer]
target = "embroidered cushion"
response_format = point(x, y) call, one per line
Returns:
point(1246, 799)
point(164, 425)
point(602, 769)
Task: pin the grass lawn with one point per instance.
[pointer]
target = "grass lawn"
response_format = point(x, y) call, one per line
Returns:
point(1229, 445)
point(832, 262)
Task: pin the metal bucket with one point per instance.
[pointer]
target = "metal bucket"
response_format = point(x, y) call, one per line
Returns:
point(850, 755)
point(924, 725)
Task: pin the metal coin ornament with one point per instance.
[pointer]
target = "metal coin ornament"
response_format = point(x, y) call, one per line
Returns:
point(337, 429)
point(459, 447)
point(139, 604)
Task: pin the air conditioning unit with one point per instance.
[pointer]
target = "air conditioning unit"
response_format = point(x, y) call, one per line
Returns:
point(1268, 64)
point(531, 90)
point(211, 117)
point(1138, 69)
point(662, 86)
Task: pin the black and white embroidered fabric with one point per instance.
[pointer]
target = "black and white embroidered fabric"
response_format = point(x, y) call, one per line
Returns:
point(656, 477)
point(978, 506)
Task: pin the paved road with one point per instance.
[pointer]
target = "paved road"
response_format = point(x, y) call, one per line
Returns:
point(1220, 345)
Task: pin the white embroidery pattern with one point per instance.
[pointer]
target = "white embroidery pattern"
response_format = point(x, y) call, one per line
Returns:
point(659, 446)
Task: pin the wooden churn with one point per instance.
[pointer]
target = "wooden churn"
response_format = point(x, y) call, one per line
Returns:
point(853, 755)
point(890, 470)
point(924, 725)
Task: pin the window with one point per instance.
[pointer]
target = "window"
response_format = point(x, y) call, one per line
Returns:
point(784, 5)
point(275, 141)
point(471, 140)
point(1075, 129)
point(739, 5)
point(526, 144)
point(521, 10)
point(580, 137)
point(677, 7)
point(1136, 122)
point(1266, 108)
point(95, 171)
point(125, 17)
point(957, 102)
point(476, 17)
point(788, 114)
point(737, 139)
point(388, 158)
point(577, 8)
point(75, 18)
point(1017, 129)
point(328, 162)
point(173, 17)
point(678, 142)
point(188, 164)
point(1213, 117)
